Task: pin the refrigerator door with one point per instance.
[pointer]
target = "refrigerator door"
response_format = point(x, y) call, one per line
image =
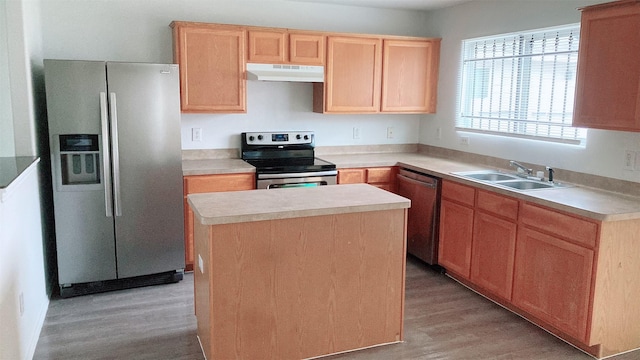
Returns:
point(147, 167)
point(84, 225)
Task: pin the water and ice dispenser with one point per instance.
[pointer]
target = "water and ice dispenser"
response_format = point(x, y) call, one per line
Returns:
point(79, 159)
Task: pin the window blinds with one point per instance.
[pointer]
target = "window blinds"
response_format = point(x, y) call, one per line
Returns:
point(521, 84)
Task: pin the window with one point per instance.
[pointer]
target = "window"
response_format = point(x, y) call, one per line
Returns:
point(521, 84)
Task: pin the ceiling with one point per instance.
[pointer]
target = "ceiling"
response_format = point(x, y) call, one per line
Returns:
point(394, 4)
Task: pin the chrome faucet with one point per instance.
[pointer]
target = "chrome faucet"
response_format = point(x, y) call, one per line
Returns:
point(521, 167)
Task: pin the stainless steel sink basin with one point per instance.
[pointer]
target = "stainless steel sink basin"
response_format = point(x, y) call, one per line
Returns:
point(491, 176)
point(526, 184)
point(511, 181)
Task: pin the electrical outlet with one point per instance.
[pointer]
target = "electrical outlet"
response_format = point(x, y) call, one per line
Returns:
point(438, 133)
point(629, 159)
point(464, 140)
point(389, 132)
point(21, 301)
point(196, 134)
point(356, 133)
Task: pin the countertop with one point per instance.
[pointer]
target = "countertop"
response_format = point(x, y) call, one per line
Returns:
point(580, 200)
point(12, 167)
point(258, 205)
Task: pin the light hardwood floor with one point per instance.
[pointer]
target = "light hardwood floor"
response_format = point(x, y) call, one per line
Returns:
point(443, 320)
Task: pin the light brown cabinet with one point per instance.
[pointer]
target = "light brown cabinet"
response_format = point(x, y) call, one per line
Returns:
point(208, 183)
point(381, 177)
point(211, 58)
point(410, 75)
point(456, 228)
point(608, 79)
point(372, 75)
point(494, 243)
point(553, 281)
point(574, 276)
point(280, 46)
point(352, 78)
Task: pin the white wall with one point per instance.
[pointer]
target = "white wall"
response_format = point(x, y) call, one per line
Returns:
point(139, 31)
point(21, 268)
point(7, 146)
point(604, 151)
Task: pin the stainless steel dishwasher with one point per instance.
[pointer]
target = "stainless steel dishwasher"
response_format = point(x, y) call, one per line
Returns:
point(422, 224)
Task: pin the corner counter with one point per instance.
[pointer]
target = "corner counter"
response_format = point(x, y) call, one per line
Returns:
point(298, 273)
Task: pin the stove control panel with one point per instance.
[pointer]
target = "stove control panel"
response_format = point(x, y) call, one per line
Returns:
point(278, 138)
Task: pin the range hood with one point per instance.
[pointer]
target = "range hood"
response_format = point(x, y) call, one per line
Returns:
point(284, 72)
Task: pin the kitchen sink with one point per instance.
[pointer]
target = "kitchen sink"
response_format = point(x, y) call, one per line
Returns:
point(526, 184)
point(512, 181)
point(490, 176)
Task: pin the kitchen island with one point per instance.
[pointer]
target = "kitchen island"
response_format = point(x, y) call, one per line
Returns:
point(298, 273)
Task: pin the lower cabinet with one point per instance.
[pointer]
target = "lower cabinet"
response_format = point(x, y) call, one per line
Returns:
point(383, 177)
point(194, 184)
point(553, 281)
point(574, 276)
point(456, 227)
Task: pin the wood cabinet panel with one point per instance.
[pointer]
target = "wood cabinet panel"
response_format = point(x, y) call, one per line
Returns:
point(460, 193)
point(608, 79)
point(382, 174)
point(208, 183)
point(493, 254)
point(268, 46)
point(498, 204)
point(410, 76)
point(553, 281)
point(456, 230)
point(352, 176)
point(353, 75)
point(306, 48)
point(581, 231)
point(211, 59)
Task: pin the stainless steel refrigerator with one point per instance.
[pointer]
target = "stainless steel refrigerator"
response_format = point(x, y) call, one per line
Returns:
point(114, 131)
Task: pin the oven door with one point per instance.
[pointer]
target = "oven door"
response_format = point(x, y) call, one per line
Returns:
point(289, 180)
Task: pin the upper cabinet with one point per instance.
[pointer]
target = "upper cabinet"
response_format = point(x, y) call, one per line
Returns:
point(352, 80)
point(364, 74)
point(372, 75)
point(410, 76)
point(211, 58)
point(608, 80)
point(280, 46)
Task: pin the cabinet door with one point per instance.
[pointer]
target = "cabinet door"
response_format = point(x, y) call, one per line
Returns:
point(212, 62)
point(608, 80)
point(493, 252)
point(410, 76)
point(208, 183)
point(306, 49)
point(268, 46)
point(553, 281)
point(353, 75)
point(456, 228)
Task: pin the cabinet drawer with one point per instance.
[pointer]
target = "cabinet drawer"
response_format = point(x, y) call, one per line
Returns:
point(221, 182)
point(352, 176)
point(498, 204)
point(559, 224)
point(460, 193)
point(380, 175)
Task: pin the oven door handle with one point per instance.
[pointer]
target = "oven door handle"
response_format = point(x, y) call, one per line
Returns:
point(298, 175)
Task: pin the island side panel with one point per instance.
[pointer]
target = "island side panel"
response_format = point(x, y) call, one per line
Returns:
point(304, 287)
point(201, 287)
point(616, 317)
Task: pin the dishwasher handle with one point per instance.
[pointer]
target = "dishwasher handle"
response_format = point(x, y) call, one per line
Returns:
point(418, 179)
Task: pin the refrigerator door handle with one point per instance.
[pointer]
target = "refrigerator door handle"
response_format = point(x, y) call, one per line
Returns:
point(106, 159)
point(116, 154)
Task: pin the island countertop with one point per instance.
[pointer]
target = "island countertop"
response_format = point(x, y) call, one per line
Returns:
point(258, 205)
